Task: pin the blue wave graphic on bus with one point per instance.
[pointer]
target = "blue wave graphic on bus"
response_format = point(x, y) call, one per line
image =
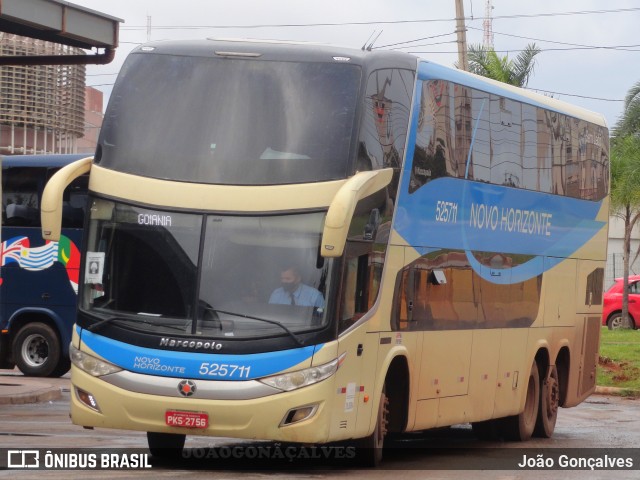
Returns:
point(472, 216)
point(167, 363)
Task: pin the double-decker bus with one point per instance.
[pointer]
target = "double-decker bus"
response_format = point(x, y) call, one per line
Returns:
point(38, 280)
point(315, 244)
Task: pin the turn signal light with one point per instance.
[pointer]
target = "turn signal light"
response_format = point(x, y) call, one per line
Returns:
point(88, 399)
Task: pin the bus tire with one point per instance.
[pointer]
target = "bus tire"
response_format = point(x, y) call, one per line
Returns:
point(487, 429)
point(37, 350)
point(520, 427)
point(369, 449)
point(64, 365)
point(166, 445)
point(549, 403)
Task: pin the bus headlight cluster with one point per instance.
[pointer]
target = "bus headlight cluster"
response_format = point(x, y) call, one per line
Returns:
point(90, 364)
point(302, 378)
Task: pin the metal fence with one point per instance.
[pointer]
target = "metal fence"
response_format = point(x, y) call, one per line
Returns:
point(615, 268)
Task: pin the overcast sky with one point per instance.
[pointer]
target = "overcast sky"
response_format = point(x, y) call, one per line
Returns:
point(566, 65)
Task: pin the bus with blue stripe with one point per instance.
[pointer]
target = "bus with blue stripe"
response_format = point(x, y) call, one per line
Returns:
point(314, 244)
point(39, 279)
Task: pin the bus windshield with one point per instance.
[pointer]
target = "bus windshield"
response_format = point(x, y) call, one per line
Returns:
point(230, 121)
point(205, 275)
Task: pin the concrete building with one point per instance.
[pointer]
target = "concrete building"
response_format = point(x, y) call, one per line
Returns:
point(93, 117)
point(41, 106)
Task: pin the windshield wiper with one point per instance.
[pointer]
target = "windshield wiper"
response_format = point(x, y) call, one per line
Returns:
point(100, 323)
point(273, 322)
point(95, 326)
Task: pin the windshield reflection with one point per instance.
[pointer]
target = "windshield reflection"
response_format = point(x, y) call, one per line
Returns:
point(250, 277)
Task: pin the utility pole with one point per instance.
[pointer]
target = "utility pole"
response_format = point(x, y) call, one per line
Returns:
point(461, 33)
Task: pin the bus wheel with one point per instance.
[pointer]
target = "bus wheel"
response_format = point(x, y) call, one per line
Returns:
point(370, 448)
point(487, 429)
point(64, 364)
point(36, 350)
point(549, 402)
point(520, 427)
point(166, 445)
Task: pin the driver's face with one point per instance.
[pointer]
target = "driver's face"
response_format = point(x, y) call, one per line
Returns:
point(289, 280)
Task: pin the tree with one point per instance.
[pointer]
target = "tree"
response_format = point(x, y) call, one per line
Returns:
point(488, 63)
point(629, 123)
point(625, 181)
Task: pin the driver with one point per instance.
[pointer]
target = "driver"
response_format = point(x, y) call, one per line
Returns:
point(294, 292)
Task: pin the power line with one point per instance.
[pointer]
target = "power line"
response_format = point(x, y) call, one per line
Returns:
point(379, 22)
point(416, 40)
point(620, 48)
point(426, 44)
point(539, 39)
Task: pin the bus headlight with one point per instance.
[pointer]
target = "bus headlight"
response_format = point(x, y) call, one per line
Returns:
point(302, 378)
point(90, 364)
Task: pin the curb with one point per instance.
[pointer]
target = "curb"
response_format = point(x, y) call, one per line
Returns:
point(624, 392)
point(18, 393)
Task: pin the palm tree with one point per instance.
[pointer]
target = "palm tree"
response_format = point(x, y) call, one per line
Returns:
point(488, 63)
point(625, 181)
point(629, 123)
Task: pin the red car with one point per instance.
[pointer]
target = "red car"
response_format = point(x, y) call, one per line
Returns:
point(612, 303)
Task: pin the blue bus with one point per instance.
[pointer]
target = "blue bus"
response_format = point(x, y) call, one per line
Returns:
point(39, 280)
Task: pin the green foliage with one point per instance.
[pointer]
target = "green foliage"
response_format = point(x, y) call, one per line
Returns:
point(629, 123)
point(625, 172)
point(488, 63)
point(625, 178)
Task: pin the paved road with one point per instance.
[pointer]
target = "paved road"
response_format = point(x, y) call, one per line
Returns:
point(601, 421)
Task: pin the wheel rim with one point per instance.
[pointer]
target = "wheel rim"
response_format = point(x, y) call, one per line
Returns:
point(616, 321)
point(35, 350)
point(553, 396)
point(383, 420)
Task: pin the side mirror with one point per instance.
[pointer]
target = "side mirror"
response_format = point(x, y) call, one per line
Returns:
point(51, 203)
point(336, 226)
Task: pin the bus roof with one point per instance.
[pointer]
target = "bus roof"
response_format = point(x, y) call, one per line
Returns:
point(41, 160)
point(279, 50)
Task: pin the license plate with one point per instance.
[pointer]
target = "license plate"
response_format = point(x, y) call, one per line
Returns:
point(176, 418)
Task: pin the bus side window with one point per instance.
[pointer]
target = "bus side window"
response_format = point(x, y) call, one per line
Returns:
point(363, 259)
point(20, 202)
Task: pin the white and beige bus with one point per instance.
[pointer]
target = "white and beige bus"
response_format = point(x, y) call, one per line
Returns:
point(313, 244)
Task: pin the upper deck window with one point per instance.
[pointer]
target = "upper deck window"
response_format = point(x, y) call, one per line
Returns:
point(230, 121)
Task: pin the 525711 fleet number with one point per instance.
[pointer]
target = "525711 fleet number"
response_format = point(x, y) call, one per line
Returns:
point(446, 212)
point(224, 370)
